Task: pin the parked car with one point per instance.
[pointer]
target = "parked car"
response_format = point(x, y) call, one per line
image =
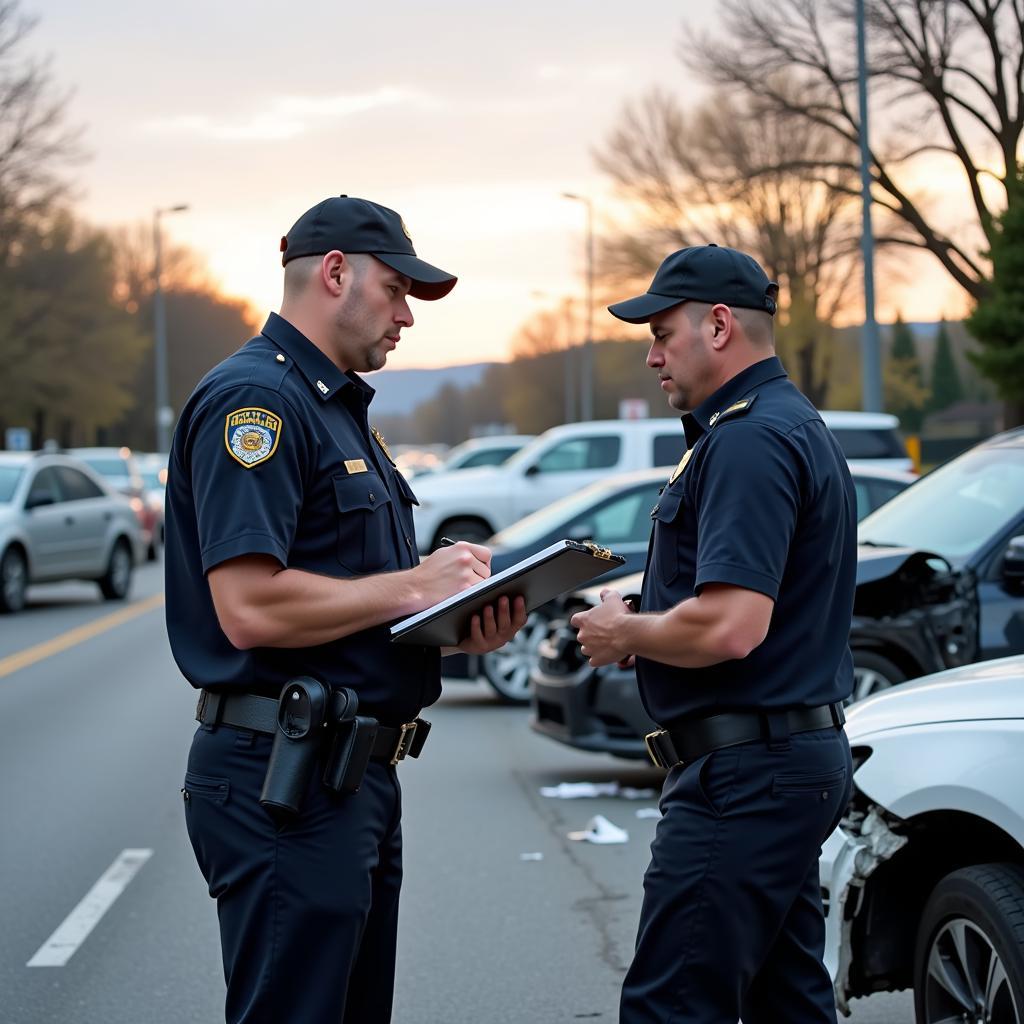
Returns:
point(906, 600)
point(923, 881)
point(613, 513)
point(870, 440)
point(473, 504)
point(120, 468)
point(153, 469)
point(875, 485)
point(493, 450)
point(60, 520)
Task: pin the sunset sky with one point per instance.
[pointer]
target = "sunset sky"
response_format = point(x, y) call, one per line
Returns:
point(469, 118)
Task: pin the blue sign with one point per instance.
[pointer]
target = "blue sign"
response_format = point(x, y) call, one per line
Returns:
point(18, 439)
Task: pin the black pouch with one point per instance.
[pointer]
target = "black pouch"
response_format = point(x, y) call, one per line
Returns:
point(350, 754)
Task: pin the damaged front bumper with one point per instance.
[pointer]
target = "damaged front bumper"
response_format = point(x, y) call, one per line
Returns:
point(848, 858)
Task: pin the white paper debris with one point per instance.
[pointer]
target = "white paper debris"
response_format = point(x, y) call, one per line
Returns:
point(578, 790)
point(531, 856)
point(648, 812)
point(601, 831)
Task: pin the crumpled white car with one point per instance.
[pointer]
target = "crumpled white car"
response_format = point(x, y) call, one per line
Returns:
point(923, 882)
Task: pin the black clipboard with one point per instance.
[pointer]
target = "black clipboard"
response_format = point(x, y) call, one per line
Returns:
point(561, 566)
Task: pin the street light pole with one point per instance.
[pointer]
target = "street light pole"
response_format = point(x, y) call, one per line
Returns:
point(164, 413)
point(871, 363)
point(587, 355)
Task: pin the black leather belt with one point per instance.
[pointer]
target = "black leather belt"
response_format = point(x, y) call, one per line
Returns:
point(688, 741)
point(259, 714)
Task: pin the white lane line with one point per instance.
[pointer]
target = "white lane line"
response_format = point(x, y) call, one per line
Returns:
point(58, 949)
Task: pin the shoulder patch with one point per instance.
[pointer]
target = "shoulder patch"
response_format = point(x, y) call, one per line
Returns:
point(734, 410)
point(251, 435)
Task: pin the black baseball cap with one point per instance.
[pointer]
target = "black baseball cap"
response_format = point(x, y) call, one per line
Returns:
point(702, 273)
point(353, 225)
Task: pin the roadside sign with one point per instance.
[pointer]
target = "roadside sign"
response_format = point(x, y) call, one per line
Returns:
point(633, 409)
point(18, 439)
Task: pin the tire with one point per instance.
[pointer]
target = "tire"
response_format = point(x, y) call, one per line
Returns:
point(873, 673)
point(117, 580)
point(509, 668)
point(969, 956)
point(13, 580)
point(474, 530)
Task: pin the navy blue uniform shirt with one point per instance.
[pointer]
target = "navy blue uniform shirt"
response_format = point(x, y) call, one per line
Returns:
point(273, 455)
point(764, 500)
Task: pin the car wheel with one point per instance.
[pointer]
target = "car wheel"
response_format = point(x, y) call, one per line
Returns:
point(117, 580)
point(508, 669)
point(873, 673)
point(13, 581)
point(969, 959)
point(474, 530)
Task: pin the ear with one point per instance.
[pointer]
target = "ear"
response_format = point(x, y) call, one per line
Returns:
point(333, 270)
point(721, 325)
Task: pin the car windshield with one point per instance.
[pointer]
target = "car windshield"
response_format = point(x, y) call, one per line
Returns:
point(956, 508)
point(530, 529)
point(9, 477)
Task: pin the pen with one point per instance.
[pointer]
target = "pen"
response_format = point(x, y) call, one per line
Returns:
point(446, 542)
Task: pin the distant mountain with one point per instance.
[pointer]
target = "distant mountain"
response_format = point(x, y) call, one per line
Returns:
point(400, 391)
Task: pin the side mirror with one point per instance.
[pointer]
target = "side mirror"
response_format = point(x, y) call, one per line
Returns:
point(1013, 561)
point(39, 499)
point(581, 532)
point(531, 470)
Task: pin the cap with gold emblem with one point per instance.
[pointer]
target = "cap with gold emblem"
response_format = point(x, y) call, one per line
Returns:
point(353, 225)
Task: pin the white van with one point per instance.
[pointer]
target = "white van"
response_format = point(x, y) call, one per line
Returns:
point(870, 440)
point(473, 504)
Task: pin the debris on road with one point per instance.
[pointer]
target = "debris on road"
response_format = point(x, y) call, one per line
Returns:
point(578, 790)
point(531, 856)
point(601, 831)
point(648, 812)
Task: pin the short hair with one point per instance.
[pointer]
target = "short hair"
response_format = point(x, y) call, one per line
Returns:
point(757, 324)
point(301, 270)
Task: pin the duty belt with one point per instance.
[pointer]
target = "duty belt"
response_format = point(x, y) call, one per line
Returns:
point(691, 740)
point(259, 714)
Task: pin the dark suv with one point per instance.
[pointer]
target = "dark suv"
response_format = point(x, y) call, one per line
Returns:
point(940, 583)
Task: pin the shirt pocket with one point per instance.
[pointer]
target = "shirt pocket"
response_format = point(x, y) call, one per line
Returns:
point(364, 523)
point(665, 550)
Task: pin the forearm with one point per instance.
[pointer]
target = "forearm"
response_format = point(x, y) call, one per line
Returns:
point(694, 634)
point(294, 608)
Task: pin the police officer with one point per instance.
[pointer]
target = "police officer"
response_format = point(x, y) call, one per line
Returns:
point(742, 657)
point(290, 546)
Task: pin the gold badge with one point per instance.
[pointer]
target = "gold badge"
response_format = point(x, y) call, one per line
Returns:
point(383, 445)
point(251, 435)
point(355, 465)
point(405, 230)
point(682, 465)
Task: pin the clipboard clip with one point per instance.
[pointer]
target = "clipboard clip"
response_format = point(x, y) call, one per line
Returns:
point(596, 551)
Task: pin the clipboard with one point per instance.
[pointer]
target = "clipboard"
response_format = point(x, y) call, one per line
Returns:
point(561, 566)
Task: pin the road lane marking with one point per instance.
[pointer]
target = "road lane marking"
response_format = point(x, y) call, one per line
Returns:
point(29, 656)
point(58, 949)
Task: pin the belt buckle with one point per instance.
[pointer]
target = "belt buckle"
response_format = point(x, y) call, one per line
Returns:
point(406, 733)
point(652, 751)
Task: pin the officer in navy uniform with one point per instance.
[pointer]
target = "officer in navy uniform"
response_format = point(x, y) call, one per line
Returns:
point(742, 654)
point(290, 546)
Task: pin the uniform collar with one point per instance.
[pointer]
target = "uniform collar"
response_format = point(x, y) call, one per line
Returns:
point(699, 421)
point(324, 377)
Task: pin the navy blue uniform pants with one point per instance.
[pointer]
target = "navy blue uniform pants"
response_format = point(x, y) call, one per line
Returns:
point(732, 922)
point(309, 909)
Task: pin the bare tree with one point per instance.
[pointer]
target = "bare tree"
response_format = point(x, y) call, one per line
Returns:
point(35, 144)
point(723, 175)
point(947, 76)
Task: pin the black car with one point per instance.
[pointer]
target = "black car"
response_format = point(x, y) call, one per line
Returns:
point(912, 616)
point(614, 513)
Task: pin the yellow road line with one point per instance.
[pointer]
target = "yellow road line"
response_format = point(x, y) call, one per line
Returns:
point(60, 643)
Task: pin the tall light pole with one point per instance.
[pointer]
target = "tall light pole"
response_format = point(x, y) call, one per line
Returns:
point(870, 354)
point(587, 355)
point(164, 413)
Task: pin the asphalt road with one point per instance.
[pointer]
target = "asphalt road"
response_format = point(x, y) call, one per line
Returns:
point(97, 724)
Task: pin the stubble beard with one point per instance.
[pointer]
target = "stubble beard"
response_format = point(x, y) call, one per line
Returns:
point(354, 325)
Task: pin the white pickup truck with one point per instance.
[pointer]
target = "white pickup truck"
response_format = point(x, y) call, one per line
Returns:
point(472, 504)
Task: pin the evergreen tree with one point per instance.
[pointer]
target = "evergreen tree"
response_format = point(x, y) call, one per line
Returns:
point(998, 319)
point(947, 387)
point(905, 394)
